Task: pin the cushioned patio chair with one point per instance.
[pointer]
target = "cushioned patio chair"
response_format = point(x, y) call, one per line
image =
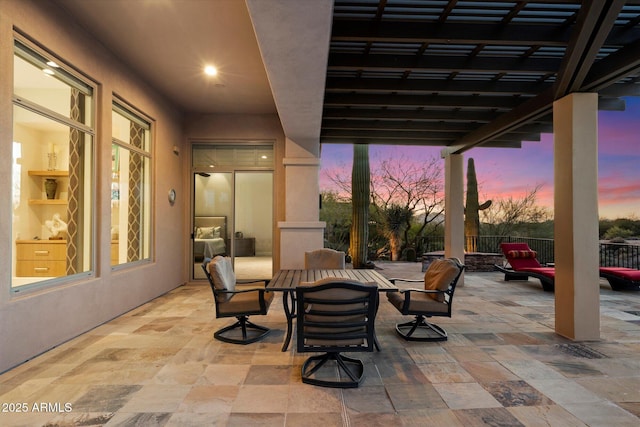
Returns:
point(435, 299)
point(323, 259)
point(335, 316)
point(236, 301)
point(524, 264)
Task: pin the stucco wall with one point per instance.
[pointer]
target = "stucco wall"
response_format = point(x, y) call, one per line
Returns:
point(34, 322)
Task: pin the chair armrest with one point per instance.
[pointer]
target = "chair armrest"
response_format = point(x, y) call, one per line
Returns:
point(241, 291)
point(402, 291)
point(424, 291)
point(399, 279)
point(252, 281)
point(251, 284)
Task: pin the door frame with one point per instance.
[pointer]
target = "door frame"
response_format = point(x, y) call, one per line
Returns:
point(233, 170)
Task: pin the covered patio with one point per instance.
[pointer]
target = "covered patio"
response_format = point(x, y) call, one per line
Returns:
point(507, 360)
point(502, 365)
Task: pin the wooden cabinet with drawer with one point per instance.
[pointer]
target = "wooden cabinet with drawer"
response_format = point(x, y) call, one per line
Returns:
point(245, 246)
point(41, 258)
point(115, 252)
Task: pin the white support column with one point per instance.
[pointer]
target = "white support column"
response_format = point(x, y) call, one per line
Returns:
point(301, 231)
point(577, 289)
point(454, 208)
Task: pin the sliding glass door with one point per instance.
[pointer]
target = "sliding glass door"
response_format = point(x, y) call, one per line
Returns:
point(253, 224)
point(212, 212)
point(233, 210)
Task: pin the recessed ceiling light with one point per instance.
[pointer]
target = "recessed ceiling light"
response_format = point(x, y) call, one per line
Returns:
point(210, 70)
point(48, 71)
point(52, 64)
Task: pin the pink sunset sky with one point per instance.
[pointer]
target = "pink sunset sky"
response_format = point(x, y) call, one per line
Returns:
point(503, 172)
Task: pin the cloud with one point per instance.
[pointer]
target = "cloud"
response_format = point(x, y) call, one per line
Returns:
point(508, 172)
point(616, 192)
point(618, 130)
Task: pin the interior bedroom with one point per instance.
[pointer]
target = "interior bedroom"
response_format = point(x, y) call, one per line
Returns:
point(233, 217)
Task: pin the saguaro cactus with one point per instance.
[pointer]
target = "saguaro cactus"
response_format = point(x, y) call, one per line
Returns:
point(360, 189)
point(472, 208)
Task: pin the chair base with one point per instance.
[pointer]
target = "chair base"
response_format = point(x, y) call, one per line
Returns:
point(546, 282)
point(421, 330)
point(350, 371)
point(250, 332)
point(621, 284)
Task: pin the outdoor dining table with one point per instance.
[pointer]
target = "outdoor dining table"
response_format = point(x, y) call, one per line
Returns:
point(286, 281)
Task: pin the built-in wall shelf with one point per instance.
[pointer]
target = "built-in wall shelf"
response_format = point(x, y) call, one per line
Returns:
point(45, 176)
point(49, 173)
point(47, 202)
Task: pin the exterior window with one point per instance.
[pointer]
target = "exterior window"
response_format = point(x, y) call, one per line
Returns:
point(52, 171)
point(130, 186)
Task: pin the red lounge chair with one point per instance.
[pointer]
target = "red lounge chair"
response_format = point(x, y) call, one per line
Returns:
point(524, 263)
point(621, 278)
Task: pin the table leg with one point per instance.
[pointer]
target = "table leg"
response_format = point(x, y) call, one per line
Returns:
point(376, 343)
point(290, 314)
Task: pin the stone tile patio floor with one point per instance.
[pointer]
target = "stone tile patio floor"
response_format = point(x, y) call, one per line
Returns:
point(158, 365)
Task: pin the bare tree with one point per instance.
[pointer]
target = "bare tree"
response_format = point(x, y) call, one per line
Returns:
point(412, 187)
point(502, 217)
point(416, 187)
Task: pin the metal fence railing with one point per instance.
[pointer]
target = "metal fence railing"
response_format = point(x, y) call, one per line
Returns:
point(619, 255)
point(611, 254)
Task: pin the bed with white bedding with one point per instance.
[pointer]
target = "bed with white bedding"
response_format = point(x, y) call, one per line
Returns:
point(209, 236)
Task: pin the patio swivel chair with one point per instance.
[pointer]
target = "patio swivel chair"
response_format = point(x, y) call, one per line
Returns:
point(236, 301)
point(323, 259)
point(435, 299)
point(335, 316)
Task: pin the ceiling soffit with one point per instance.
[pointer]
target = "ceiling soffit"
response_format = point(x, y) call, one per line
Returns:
point(294, 44)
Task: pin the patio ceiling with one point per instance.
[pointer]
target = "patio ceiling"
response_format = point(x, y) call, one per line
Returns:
point(463, 74)
point(455, 74)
